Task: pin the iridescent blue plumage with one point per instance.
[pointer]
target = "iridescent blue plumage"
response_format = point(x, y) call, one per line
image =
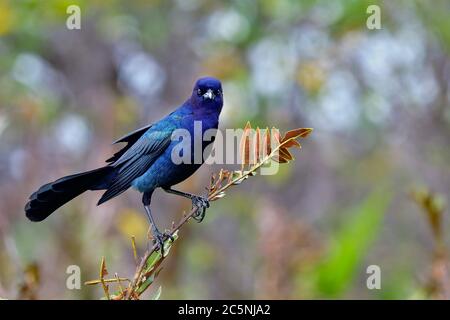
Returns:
point(163, 172)
point(145, 162)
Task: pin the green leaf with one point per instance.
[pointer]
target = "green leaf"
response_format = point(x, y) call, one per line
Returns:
point(146, 284)
point(336, 272)
point(156, 256)
point(157, 294)
point(152, 261)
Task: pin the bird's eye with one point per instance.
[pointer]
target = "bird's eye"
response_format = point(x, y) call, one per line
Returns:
point(199, 92)
point(218, 92)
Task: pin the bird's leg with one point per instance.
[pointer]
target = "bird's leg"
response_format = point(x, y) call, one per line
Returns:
point(199, 202)
point(158, 236)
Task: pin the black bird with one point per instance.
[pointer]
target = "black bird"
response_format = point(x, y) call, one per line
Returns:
point(145, 163)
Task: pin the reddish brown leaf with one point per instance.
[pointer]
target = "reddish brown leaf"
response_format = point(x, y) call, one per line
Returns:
point(267, 148)
point(257, 145)
point(278, 158)
point(245, 145)
point(246, 152)
point(292, 143)
point(226, 174)
point(297, 133)
point(285, 154)
point(103, 271)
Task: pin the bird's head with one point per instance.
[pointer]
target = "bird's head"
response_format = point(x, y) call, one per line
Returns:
point(207, 93)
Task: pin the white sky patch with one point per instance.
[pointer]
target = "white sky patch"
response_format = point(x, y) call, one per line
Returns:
point(377, 109)
point(72, 134)
point(390, 64)
point(310, 42)
point(228, 25)
point(38, 75)
point(121, 27)
point(338, 105)
point(422, 87)
point(141, 74)
point(273, 65)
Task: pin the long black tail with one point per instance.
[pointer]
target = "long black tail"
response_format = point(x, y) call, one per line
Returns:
point(53, 195)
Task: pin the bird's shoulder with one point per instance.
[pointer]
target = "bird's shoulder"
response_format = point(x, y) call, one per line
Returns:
point(156, 134)
point(183, 112)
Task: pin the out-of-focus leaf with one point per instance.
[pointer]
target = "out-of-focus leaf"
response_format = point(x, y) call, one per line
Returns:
point(434, 206)
point(31, 280)
point(6, 18)
point(311, 77)
point(201, 256)
point(224, 64)
point(353, 16)
point(334, 275)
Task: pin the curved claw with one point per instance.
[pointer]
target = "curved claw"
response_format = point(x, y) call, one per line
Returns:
point(201, 204)
point(159, 238)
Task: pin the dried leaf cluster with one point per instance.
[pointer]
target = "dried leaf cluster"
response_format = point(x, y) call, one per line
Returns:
point(257, 148)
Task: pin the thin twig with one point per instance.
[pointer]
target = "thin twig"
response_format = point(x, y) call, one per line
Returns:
point(133, 245)
point(93, 282)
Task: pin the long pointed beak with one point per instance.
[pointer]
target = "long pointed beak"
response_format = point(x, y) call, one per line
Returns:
point(208, 94)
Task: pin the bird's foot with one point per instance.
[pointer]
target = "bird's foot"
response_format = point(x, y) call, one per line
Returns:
point(201, 203)
point(159, 238)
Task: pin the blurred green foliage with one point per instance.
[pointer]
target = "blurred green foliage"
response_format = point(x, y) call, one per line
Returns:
point(377, 99)
point(350, 245)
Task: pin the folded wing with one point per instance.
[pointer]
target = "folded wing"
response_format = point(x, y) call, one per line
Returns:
point(136, 159)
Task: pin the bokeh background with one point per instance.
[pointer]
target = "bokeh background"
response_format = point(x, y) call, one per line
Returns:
point(369, 186)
